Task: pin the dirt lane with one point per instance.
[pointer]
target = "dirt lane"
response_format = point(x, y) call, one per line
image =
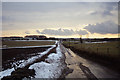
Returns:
point(83, 68)
point(76, 72)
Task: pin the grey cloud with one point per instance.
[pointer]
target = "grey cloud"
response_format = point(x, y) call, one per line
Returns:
point(7, 19)
point(106, 9)
point(24, 14)
point(38, 31)
point(110, 6)
point(82, 32)
point(103, 28)
point(93, 13)
point(27, 32)
point(58, 32)
point(106, 12)
point(103, 13)
point(118, 28)
point(61, 32)
point(37, 6)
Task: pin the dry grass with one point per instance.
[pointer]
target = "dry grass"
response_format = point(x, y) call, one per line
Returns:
point(110, 49)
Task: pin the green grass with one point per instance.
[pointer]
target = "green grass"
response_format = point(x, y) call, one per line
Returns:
point(110, 49)
point(26, 43)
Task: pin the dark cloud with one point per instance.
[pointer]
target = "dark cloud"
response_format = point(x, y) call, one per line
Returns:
point(61, 32)
point(103, 28)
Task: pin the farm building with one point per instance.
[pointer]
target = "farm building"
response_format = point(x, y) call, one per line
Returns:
point(35, 37)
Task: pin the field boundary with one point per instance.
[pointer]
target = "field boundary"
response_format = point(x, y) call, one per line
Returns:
point(103, 60)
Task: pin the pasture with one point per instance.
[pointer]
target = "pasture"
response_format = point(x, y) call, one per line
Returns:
point(109, 49)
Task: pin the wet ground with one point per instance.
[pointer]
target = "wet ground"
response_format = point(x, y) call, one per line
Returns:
point(78, 66)
point(83, 68)
point(12, 55)
point(21, 72)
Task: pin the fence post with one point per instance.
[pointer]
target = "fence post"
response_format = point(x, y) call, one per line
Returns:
point(69, 43)
point(108, 50)
point(97, 50)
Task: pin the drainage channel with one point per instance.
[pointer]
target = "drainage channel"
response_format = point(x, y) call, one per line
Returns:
point(20, 73)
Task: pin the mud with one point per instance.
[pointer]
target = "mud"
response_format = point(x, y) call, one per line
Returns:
point(21, 73)
point(9, 56)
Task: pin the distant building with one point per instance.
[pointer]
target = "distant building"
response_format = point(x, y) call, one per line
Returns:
point(35, 37)
point(52, 38)
point(42, 37)
point(31, 37)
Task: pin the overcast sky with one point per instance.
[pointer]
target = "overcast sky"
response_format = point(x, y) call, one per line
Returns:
point(60, 19)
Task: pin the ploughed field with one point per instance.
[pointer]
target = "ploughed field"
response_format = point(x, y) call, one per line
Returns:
point(12, 55)
point(29, 62)
point(26, 43)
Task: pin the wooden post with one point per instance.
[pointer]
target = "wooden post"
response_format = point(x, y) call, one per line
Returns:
point(108, 50)
point(69, 43)
point(97, 50)
point(74, 41)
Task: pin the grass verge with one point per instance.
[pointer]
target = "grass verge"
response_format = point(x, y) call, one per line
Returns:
point(111, 59)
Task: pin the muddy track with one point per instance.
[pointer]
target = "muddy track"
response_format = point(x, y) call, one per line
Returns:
point(91, 70)
point(87, 72)
point(20, 73)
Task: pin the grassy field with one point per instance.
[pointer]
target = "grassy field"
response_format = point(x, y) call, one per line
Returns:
point(109, 49)
point(26, 43)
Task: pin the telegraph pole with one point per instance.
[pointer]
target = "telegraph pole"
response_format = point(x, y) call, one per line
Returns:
point(81, 39)
point(87, 36)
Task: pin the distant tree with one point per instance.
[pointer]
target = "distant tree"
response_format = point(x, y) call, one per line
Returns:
point(81, 41)
point(72, 39)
